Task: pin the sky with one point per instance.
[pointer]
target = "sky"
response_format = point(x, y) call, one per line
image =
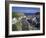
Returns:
point(25, 9)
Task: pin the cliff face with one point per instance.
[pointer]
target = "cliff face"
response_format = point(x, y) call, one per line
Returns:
point(25, 21)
